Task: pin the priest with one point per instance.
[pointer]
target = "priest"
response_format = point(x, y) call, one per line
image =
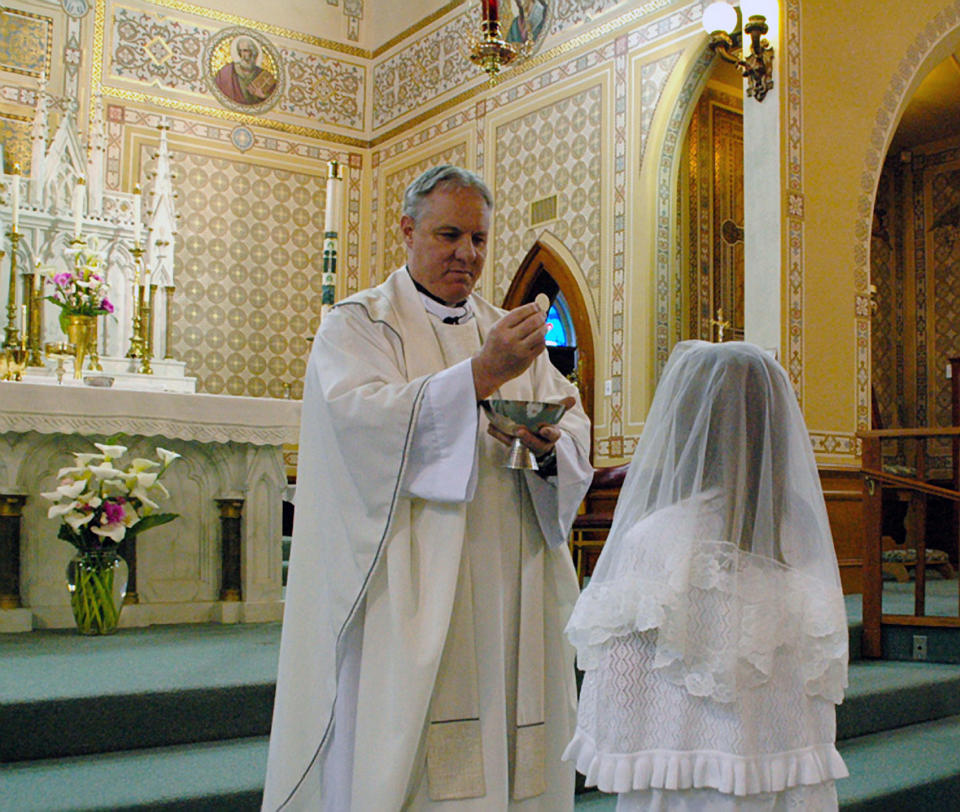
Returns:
point(422, 662)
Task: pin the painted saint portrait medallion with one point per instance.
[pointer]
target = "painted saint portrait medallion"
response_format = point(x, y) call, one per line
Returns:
point(526, 22)
point(244, 70)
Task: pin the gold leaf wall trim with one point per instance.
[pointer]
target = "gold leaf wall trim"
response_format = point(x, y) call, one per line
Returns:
point(229, 115)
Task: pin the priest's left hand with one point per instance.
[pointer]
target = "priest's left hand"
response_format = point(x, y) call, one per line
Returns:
point(540, 443)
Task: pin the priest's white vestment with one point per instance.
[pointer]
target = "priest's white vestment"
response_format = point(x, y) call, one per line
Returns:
point(422, 661)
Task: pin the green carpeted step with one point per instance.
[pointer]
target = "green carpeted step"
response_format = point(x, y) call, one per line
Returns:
point(914, 769)
point(84, 725)
point(884, 695)
point(225, 775)
point(64, 695)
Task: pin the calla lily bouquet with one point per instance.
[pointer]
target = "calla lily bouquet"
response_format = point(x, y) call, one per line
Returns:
point(101, 503)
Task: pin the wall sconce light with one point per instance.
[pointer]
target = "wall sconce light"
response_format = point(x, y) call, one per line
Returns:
point(491, 51)
point(722, 22)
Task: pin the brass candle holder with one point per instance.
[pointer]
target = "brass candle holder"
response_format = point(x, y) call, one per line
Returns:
point(33, 293)
point(491, 52)
point(15, 359)
point(11, 338)
point(146, 323)
point(136, 333)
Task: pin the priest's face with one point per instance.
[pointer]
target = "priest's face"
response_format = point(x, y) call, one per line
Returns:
point(447, 244)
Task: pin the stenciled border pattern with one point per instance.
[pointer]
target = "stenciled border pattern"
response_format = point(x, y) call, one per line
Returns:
point(795, 200)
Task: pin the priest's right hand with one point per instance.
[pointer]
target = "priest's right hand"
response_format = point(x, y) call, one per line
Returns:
point(510, 347)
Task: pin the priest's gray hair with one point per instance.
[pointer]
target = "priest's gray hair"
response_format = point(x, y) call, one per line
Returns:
point(455, 176)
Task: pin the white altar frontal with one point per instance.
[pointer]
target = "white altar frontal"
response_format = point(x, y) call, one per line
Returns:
point(230, 482)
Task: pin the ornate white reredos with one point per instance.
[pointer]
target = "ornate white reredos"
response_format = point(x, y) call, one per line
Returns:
point(47, 218)
point(162, 217)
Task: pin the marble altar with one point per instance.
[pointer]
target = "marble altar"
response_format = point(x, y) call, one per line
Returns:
point(231, 449)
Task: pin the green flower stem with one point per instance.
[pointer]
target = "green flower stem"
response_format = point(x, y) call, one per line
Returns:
point(92, 599)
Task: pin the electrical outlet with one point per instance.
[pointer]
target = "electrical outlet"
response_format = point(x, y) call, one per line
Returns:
point(608, 387)
point(919, 647)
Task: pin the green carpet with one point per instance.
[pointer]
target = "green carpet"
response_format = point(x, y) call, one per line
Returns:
point(177, 717)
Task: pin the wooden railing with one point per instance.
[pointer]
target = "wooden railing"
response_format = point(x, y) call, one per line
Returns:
point(591, 526)
point(917, 490)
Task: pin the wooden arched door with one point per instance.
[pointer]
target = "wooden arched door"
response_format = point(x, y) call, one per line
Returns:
point(542, 271)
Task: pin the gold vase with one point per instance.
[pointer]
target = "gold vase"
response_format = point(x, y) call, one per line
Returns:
point(82, 333)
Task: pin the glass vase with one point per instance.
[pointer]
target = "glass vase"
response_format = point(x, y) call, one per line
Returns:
point(97, 582)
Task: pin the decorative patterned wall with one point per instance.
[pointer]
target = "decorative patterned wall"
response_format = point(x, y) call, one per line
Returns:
point(915, 329)
point(250, 256)
point(15, 137)
point(653, 77)
point(26, 43)
point(944, 259)
point(555, 150)
point(886, 332)
point(424, 69)
point(150, 50)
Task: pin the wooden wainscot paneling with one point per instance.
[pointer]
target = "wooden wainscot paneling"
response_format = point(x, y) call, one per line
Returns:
point(842, 491)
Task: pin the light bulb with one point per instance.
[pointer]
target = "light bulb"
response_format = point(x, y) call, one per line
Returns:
point(719, 16)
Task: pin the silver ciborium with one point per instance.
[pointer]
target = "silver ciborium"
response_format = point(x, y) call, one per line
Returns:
point(510, 415)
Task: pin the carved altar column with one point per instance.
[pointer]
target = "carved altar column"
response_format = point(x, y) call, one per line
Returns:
point(11, 507)
point(13, 617)
point(231, 515)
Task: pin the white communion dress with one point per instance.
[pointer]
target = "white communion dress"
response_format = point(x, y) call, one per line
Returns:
point(713, 632)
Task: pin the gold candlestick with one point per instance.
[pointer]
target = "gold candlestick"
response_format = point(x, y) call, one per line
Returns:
point(136, 337)
point(10, 341)
point(146, 320)
point(34, 295)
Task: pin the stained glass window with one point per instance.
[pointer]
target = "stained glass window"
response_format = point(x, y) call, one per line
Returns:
point(561, 332)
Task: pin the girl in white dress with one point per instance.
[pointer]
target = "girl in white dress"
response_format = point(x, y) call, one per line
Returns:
point(713, 633)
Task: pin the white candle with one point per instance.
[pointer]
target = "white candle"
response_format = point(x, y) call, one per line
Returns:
point(332, 213)
point(23, 327)
point(15, 197)
point(78, 207)
point(137, 213)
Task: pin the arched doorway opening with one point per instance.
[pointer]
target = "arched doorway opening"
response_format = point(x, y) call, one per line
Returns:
point(570, 341)
point(914, 275)
point(711, 205)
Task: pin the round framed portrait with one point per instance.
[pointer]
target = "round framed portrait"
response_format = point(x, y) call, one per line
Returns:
point(244, 71)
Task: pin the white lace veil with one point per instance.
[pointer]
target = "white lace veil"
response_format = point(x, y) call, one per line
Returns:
point(720, 539)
